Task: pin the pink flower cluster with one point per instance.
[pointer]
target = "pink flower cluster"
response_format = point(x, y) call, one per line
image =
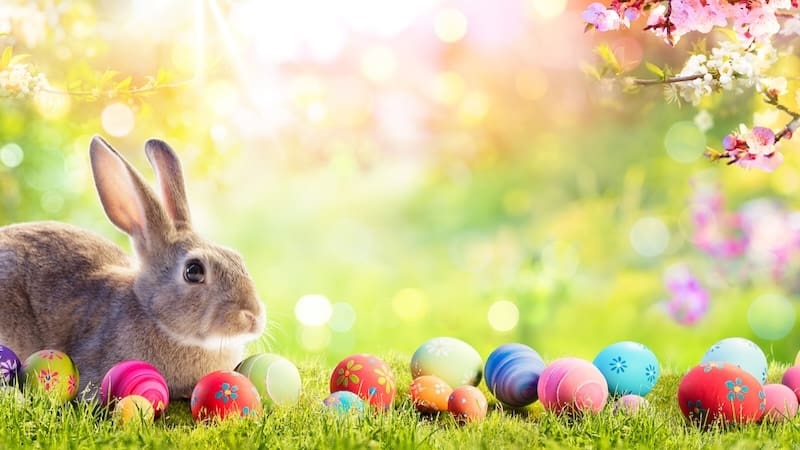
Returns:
point(671, 19)
point(688, 302)
point(753, 149)
point(761, 237)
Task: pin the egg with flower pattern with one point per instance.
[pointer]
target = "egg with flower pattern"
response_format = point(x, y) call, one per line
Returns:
point(53, 372)
point(628, 367)
point(451, 359)
point(9, 366)
point(720, 392)
point(429, 394)
point(222, 394)
point(366, 376)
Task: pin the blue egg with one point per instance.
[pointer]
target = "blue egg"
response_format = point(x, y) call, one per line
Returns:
point(740, 352)
point(628, 367)
point(512, 374)
point(344, 402)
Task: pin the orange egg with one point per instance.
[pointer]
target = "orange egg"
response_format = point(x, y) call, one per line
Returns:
point(430, 394)
point(467, 404)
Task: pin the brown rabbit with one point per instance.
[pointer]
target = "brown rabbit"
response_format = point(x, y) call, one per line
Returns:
point(184, 304)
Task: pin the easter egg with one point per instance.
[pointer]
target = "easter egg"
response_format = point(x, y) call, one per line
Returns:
point(53, 372)
point(275, 377)
point(9, 366)
point(134, 409)
point(450, 359)
point(222, 394)
point(739, 352)
point(512, 374)
point(135, 378)
point(720, 391)
point(791, 379)
point(344, 402)
point(629, 368)
point(467, 404)
point(366, 376)
point(570, 385)
point(781, 403)
point(630, 404)
point(429, 394)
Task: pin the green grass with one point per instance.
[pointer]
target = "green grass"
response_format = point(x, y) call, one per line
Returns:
point(37, 424)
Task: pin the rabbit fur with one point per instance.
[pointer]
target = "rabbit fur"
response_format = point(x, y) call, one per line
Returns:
point(68, 289)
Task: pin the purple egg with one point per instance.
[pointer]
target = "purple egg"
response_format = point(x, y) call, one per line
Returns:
point(9, 366)
point(512, 374)
point(630, 404)
point(135, 378)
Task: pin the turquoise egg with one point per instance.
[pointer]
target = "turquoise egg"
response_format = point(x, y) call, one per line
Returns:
point(628, 367)
point(451, 359)
point(344, 402)
point(740, 352)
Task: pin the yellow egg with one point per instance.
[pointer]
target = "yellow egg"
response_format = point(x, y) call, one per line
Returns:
point(134, 408)
point(430, 394)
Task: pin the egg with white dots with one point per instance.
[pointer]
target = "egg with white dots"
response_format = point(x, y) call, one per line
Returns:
point(628, 367)
point(740, 352)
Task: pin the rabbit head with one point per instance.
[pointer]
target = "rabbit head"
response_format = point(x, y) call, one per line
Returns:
point(196, 292)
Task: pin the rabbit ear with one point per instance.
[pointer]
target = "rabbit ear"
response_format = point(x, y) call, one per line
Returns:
point(170, 180)
point(128, 201)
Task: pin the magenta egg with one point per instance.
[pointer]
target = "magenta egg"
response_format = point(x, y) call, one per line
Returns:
point(135, 378)
point(781, 403)
point(791, 379)
point(572, 385)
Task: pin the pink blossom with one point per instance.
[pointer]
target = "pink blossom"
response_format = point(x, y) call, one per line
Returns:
point(754, 149)
point(602, 18)
point(689, 300)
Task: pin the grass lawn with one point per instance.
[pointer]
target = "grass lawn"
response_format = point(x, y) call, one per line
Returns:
point(35, 424)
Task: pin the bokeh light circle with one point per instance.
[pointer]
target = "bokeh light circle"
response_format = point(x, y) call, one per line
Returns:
point(117, 119)
point(771, 316)
point(314, 339)
point(649, 236)
point(410, 304)
point(503, 315)
point(684, 142)
point(547, 9)
point(313, 310)
point(450, 25)
point(378, 63)
point(11, 155)
point(343, 317)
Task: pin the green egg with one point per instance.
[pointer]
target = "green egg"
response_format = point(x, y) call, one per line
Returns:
point(451, 359)
point(275, 377)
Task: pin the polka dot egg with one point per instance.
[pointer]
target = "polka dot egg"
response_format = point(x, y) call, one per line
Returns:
point(740, 352)
point(430, 394)
point(222, 394)
point(628, 367)
point(366, 376)
point(344, 402)
point(720, 392)
point(452, 360)
point(9, 366)
point(467, 404)
point(53, 372)
point(276, 378)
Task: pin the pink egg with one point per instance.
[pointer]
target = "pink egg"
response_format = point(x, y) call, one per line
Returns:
point(135, 378)
point(781, 403)
point(572, 385)
point(791, 378)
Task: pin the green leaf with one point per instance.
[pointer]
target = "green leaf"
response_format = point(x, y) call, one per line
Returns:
point(655, 69)
point(5, 59)
point(609, 58)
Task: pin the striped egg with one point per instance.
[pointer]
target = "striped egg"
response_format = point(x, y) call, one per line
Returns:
point(512, 374)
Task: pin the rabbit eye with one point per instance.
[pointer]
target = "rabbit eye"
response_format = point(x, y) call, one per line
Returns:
point(194, 272)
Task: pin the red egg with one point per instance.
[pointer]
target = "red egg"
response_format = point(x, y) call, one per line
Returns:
point(135, 378)
point(720, 392)
point(467, 404)
point(781, 403)
point(366, 376)
point(430, 394)
point(224, 393)
point(571, 385)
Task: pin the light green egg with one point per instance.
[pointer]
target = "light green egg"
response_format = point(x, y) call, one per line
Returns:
point(275, 377)
point(451, 359)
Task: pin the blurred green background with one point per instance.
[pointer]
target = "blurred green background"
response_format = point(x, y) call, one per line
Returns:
point(396, 171)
